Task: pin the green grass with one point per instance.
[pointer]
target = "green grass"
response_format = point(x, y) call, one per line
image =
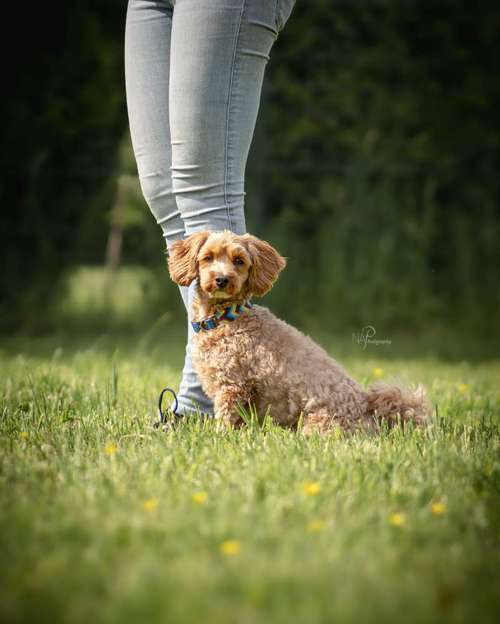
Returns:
point(98, 523)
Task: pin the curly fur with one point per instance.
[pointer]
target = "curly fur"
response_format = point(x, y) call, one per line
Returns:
point(261, 360)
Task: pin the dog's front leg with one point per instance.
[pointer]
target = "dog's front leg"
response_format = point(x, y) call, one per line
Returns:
point(227, 404)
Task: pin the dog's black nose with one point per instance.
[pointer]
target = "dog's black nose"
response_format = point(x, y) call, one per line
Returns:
point(222, 281)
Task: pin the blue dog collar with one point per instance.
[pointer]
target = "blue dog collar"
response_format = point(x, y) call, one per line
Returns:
point(229, 313)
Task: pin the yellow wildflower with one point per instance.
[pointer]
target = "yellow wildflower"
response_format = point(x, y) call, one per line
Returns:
point(438, 508)
point(150, 504)
point(378, 372)
point(23, 435)
point(110, 449)
point(199, 498)
point(397, 519)
point(311, 488)
point(315, 526)
point(462, 388)
point(230, 548)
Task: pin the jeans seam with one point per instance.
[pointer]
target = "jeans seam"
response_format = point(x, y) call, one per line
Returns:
point(228, 113)
point(276, 15)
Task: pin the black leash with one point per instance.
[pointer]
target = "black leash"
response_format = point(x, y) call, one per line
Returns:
point(162, 415)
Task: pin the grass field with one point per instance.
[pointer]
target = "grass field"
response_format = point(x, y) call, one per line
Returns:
point(104, 519)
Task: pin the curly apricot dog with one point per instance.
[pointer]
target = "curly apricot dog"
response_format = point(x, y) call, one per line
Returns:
point(245, 355)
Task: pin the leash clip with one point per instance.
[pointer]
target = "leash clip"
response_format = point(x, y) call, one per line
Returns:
point(161, 413)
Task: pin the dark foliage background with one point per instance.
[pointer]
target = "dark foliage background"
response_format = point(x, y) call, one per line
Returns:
point(63, 115)
point(375, 164)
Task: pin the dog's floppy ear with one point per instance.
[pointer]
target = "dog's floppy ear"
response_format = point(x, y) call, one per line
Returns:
point(182, 255)
point(266, 265)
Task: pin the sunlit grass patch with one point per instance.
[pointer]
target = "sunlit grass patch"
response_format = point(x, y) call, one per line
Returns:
point(105, 518)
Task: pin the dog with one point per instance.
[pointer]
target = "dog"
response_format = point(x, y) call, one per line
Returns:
point(245, 356)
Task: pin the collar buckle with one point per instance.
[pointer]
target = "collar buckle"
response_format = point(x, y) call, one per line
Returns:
point(209, 323)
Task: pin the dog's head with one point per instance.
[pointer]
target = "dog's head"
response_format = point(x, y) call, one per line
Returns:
point(228, 265)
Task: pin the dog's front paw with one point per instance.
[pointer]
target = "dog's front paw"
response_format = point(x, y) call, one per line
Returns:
point(227, 412)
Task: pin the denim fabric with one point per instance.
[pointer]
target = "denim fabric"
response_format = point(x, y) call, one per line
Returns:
point(193, 72)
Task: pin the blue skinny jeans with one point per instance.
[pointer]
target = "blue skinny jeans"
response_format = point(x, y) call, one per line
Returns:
point(193, 73)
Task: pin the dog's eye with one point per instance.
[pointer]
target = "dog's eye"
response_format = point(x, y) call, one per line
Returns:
point(238, 261)
point(208, 258)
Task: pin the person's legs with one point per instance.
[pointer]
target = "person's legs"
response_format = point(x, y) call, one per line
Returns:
point(147, 70)
point(218, 52)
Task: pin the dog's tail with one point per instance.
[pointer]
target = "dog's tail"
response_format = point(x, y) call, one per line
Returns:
point(393, 404)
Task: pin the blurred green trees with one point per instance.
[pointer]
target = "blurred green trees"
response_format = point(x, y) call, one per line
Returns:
point(62, 117)
point(382, 139)
point(375, 164)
